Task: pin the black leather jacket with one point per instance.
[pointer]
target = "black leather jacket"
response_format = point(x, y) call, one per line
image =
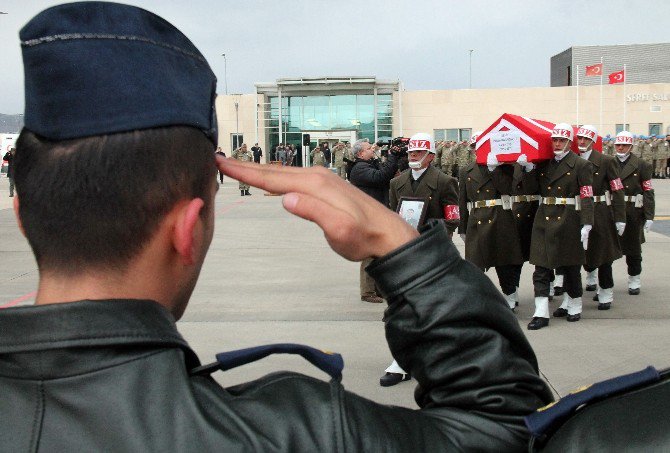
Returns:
point(116, 376)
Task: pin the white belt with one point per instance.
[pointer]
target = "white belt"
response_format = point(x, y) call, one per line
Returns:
point(603, 198)
point(504, 201)
point(525, 198)
point(637, 199)
point(562, 201)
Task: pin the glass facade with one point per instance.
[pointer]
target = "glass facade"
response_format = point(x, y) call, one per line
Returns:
point(302, 114)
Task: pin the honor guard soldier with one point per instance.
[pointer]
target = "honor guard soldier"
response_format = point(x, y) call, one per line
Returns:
point(439, 191)
point(640, 204)
point(244, 155)
point(562, 225)
point(609, 220)
point(97, 363)
point(487, 223)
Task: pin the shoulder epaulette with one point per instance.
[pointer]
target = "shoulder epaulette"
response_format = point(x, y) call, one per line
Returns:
point(329, 362)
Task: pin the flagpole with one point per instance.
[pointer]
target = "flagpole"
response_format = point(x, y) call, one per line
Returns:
point(577, 95)
point(624, 99)
point(601, 96)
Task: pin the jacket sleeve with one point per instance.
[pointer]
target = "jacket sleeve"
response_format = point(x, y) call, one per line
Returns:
point(463, 202)
point(585, 178)
point(393, 195)
point(648, 194)
point(618, 201)
point(449, 326)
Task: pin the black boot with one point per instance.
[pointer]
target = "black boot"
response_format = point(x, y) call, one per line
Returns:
point(390, 379)
point(241, 193)
point(538, 323)
point(246, 192)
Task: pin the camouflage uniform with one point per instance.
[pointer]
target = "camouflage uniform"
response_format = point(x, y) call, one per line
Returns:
point(608, 148)
point(465, 156)
point(646, 153)
point(338, 160)
point(318, 158)
point(448, 159)
point(243, 154)
point(439, 149)
point(662, 155)
point(636, 150)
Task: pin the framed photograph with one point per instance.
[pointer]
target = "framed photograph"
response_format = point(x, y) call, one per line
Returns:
point(413, 210)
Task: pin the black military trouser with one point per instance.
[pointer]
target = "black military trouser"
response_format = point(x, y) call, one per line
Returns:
point(572, 280)
point(508, 277)
point(605, 279)
point(634, 263)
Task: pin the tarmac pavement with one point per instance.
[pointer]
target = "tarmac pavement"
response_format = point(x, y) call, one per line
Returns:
point(270, 277)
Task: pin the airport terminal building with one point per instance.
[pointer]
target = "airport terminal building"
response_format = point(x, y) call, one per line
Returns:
point(346, 108)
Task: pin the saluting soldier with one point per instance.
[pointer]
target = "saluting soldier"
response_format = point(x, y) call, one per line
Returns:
point(640, 206)
point(608, 146)
point(243, 154)
point(646, 153)
point(448, 160)
point(439, 149)
point(609, 220)
point(465, 155)
point(662, 148)
point(338, 160)
point(317, 156)
point(487, 224)
point(562, 224)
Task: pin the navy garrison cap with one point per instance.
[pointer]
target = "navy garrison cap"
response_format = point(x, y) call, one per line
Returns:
point(95, 68)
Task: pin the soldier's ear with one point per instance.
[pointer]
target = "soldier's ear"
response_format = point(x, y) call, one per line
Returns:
point(187, 227)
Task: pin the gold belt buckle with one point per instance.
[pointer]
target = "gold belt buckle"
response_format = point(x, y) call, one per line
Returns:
point(563, 201)
point(550, 200)
point(490, 203)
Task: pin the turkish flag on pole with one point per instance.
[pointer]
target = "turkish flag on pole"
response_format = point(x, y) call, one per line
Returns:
point(595, 70)
point(616, 77)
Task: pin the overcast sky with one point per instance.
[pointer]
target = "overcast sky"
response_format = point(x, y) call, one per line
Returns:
point(425, 44)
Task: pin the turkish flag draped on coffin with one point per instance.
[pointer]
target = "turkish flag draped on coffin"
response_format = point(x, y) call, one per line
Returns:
point(512, 135)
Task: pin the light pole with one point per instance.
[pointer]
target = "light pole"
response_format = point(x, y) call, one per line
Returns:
point(225, 72)
point(470, 78)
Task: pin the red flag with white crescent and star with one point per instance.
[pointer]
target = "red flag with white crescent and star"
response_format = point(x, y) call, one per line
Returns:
point(595, 70)
point(616, 77)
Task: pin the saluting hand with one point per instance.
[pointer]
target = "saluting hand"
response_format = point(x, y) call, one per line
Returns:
point(356, 225)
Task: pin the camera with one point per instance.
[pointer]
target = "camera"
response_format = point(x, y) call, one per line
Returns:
point(398, 145)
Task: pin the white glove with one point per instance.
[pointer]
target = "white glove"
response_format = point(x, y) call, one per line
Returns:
point(647, 225)
point(462, 237)
point(586, 229)
point(620, 226)
point(492, 161)
point(523, 161)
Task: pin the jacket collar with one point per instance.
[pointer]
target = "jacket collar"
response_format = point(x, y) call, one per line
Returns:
point(99, 323)
point(427, 183)
point(565, 165)
point(629, 166)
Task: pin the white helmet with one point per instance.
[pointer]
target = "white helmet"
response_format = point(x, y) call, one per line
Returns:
point(474, 138)
point(562, 130)
point(588, 131)
point(421, 142)
point(624, 138)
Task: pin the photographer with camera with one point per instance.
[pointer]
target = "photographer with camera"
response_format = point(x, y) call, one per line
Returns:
point(372, 177)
